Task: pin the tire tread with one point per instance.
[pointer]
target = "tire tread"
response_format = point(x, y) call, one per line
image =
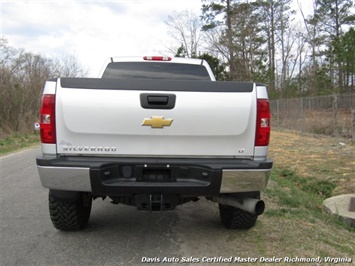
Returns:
point(69, 215)
point(235, 218)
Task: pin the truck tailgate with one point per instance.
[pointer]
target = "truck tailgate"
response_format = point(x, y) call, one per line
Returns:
point(133, 118)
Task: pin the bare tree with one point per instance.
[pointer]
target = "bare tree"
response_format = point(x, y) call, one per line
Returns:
point(70, 67)
point(214, 45)
point(185, 28)
point(22, 76)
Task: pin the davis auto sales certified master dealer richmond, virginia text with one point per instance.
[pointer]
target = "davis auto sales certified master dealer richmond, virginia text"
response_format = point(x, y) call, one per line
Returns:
point(244, 260)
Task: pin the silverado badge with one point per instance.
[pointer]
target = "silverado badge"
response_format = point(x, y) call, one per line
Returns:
point(157, 122)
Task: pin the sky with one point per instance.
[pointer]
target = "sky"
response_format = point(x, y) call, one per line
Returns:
point(91, 30)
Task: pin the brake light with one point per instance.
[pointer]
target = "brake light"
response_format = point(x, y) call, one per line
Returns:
point(262, 135)
point(157, 58)
point(47, 116)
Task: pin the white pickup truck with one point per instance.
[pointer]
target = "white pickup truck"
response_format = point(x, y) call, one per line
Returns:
point(154, 133)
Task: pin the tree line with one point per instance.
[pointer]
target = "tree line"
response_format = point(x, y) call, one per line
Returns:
point(22, 79)
point(262, 41)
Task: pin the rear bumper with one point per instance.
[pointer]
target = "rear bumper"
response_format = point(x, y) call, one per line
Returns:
point(129, 176)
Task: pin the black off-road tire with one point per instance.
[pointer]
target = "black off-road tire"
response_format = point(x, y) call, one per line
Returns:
point(235, 218)
point(70, 215)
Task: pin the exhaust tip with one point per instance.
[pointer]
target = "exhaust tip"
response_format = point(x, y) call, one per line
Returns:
point(252, 205)
point(259, 207)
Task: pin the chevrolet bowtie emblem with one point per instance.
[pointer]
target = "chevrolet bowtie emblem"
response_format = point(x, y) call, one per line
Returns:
point(157, 122)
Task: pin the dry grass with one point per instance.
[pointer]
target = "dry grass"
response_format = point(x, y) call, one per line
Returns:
point(328, 123)
point(322, 157)
point(324, 122)
point(329, 115)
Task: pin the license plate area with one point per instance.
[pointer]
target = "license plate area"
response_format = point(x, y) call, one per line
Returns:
point(156, 175)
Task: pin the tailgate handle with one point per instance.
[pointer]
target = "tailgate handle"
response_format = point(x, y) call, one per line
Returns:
point(160, 100)
point(157, 101)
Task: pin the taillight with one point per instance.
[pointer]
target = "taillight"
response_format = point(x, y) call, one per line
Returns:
point(47, 122)
point(157, 58)
point(262, 134)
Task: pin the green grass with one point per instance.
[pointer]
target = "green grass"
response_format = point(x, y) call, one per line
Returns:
point(300, 198)
point(17, 142)
point(321, 188)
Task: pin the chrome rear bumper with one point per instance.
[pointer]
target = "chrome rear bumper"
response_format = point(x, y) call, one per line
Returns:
point(234, 180)
point(190, 176)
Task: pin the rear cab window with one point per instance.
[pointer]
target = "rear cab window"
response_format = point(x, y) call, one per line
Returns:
point(155, 70)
